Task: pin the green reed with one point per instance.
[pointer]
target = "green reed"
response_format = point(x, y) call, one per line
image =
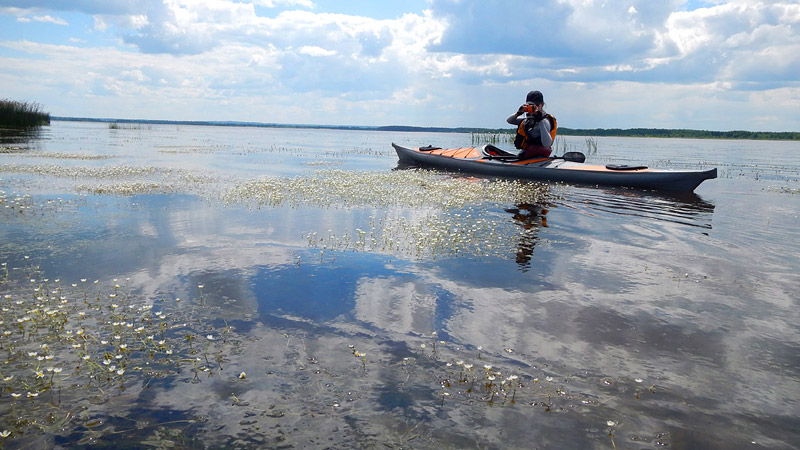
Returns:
point(15, 114)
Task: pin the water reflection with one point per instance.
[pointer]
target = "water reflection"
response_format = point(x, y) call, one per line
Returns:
point(530, 217)
point(19, 136)
point(685, 208)
point(629, 295)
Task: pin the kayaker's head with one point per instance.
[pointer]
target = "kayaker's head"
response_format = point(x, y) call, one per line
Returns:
point(534, 98)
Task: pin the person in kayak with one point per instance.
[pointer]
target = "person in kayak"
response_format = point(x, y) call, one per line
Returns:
point(535, 128)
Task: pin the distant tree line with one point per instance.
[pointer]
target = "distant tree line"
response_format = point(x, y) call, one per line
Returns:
point(498, 134)
point(682, 133)
point(14, 114)
point(618, 132)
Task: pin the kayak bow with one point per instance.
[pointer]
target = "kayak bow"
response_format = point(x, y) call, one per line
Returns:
point(569, 168)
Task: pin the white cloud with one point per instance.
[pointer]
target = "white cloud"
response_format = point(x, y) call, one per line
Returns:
point(276, 3)
point(457, 63)
point(313, 50)
point(50, 19)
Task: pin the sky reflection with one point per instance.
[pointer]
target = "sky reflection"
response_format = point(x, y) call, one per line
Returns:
point(592, 288)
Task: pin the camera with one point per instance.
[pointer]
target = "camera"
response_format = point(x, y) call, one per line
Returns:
point(528, 108)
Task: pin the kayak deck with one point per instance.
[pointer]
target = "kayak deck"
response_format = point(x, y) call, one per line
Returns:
point(489, 160)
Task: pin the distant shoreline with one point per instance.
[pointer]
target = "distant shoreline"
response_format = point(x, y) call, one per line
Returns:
point(596, 132)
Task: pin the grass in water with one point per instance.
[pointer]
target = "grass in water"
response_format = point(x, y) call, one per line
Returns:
point(14, 114)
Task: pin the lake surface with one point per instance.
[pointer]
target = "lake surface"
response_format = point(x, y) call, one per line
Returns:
point(192, 286)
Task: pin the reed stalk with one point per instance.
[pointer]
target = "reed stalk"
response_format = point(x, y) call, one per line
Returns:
point(14, 114)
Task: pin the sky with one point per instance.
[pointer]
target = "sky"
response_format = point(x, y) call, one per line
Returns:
point(707, 65)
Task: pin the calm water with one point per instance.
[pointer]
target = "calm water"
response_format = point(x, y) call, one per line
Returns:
point(289, 288)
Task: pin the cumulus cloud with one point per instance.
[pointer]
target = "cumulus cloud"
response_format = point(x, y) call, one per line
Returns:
point(50, 19)
point(464, 55)
point(566, 30)
point(84, 6)
point(276, 3)
point(585, 40)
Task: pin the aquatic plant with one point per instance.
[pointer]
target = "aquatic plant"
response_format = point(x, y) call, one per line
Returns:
point(494, 138)
point(129, 126)
point(16, 114)
point(425, 214)
point(591, 146)
point(92, 339)
point(403, 188)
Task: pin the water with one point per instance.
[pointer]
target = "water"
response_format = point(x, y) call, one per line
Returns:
point(320, 273)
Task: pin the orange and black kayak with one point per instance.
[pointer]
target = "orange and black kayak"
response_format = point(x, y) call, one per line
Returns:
point(568, 168)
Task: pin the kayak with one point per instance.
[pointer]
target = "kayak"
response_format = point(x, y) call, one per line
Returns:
point(568, 168)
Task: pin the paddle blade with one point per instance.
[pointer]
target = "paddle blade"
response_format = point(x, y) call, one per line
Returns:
point(574, 157)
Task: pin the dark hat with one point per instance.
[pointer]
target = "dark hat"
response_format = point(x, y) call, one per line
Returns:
point(534, 97)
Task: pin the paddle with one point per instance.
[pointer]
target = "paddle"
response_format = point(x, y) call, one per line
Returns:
point(494, 152)
point(577, 157)
point(572, 156)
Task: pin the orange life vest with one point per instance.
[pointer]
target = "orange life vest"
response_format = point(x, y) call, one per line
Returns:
point(523, 139)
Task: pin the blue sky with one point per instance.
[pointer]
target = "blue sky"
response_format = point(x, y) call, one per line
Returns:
point(714, 65)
